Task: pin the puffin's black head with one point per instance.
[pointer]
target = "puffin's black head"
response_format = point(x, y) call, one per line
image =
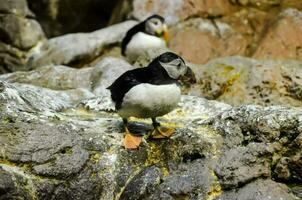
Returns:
point(155, 25)
point(176, 68)
point(173, 64)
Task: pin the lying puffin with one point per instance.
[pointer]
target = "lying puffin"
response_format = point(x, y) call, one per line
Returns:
point(151, 33)
point(149, 92)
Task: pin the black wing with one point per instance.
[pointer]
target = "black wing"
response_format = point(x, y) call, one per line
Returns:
point(131, 32)
point(123, 84)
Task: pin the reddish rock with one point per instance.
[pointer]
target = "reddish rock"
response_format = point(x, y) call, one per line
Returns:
point(200, 40)
point(250, 23)
point(179, 10)
point(283, 40)
point(260, 4)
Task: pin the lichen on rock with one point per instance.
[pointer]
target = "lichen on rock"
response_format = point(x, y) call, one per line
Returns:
point(72, 150)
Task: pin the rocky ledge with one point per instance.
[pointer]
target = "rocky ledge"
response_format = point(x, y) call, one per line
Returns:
point(66, 144)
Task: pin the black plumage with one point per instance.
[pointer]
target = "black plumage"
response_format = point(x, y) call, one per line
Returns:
point(154, 74)
point(140, 27)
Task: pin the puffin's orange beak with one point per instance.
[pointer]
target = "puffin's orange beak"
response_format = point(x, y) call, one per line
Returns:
point(166, 34)
point(163, 33)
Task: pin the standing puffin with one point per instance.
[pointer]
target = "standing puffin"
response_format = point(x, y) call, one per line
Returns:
point(149, 92)
point(144, 36)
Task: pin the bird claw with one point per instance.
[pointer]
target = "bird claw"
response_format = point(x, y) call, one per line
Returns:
point(162, 132)
point(131, 141)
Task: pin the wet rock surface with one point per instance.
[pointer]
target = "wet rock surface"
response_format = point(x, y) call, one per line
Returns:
point(56, 146)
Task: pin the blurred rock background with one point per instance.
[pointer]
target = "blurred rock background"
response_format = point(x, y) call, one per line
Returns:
point(200, 30)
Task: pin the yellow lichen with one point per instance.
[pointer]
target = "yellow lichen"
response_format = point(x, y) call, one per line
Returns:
point(216, 191)
point(82, 112)
point(154, 154)
point(230, 74)
point(95, 157)
point(215, 188)
point(226, 69)
point(165, 171)
point(180, 112)
point(210, 135)
point(6, 162)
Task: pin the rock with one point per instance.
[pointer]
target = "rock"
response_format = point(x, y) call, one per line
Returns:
point(177, 11)
point(199, 40)
point(194, 178)
point(16, 7)
point(242, 164)
point(53, 147)
point(59, 77)
point(238, 80)
point(249, 23)
point(297, 190)
point(12, 59)
point(286, 167)
point(283, 39)
point(261, 4)
point(74, 49)
point(81, 83)
point(23, 97)
point(9, 182)
point(145, 183)
point(20, 32)
point(260, 189)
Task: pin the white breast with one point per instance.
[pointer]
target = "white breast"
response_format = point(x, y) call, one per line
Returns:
point(147, 100)
point(140, 43)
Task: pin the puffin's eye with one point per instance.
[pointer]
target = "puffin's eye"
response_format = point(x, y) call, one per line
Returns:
point(155, 23)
